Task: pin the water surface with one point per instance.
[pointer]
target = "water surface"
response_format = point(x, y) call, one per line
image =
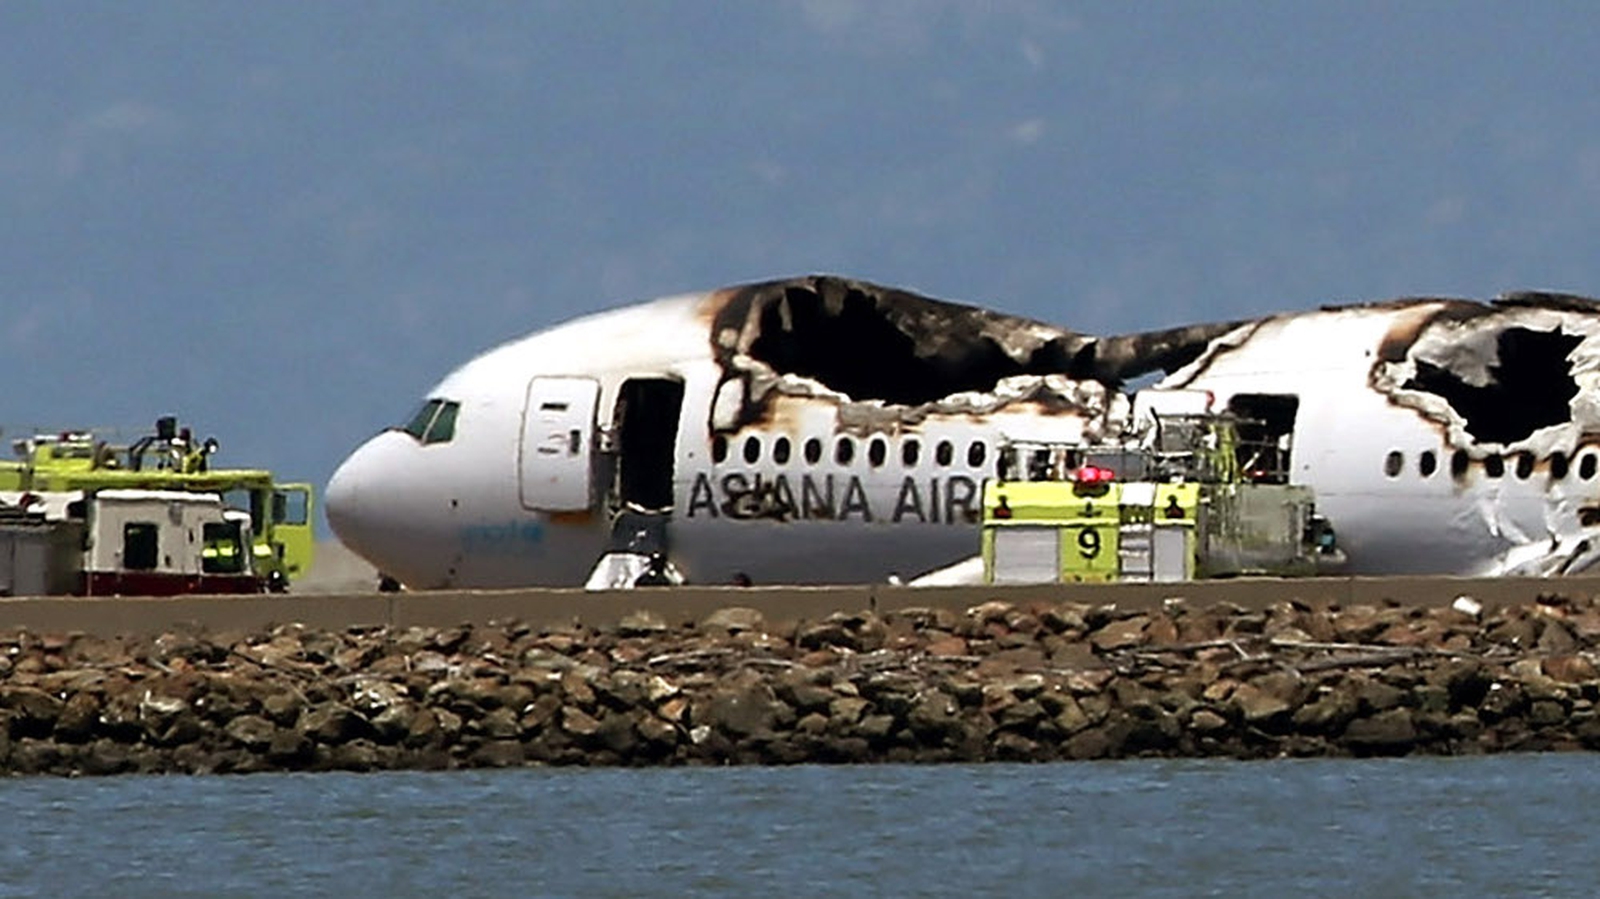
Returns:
point(1505, 825)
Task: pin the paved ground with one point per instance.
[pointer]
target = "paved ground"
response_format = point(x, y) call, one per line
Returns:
point(337, 570)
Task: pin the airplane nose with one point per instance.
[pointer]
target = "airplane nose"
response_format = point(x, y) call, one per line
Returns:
point(341, 499)
point(360, 499)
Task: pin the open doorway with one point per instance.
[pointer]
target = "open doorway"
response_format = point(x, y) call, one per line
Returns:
point(646, 425)
point(1266, 434)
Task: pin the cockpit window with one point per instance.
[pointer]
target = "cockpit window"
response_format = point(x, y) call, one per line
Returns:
point(424, 417)
point(435, 422)
point(444, 424)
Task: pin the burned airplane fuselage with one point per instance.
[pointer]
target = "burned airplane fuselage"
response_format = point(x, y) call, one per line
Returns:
point(1474, 423)
point(822, 430)
point(1491, 403)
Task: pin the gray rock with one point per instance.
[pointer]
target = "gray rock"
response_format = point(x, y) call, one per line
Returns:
point(1329, 713)
point(935, 717)
point(830, 633)
point(283, 707)
point(332, 723)
point(78, 717)
point(1390, 731)
point(1009, 746)
point(541, 713)
point(1504, 699)
point(1546, 712)
point(185, 727)
point(1095, 743)
point(735, 619)
point(642, 623)
point(578, 723)
point(801, 690)
point(357, 755)
point(617, 734)
point(421, 728)
point(653, 730)
point(814, 724)
point(1021, 715)
point(371, 695)
point(290, 749)
point(1072, 718)
point(393, 723)
point(1378, 696)
point(848, 709)
point(498, 754)
point(739, 710)
point(1123, 634)
point(252, 732)
point(575, 685)
point(1255, 705)
point(1556, 639)
point(497, 724)
point(875, 727)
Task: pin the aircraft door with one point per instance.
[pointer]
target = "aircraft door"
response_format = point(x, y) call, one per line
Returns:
point(647, 428)
point(556, 457)
point(1265, 434)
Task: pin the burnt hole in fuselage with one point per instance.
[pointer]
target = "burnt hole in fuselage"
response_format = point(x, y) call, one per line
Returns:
point(871, 344)
point(1530, 386)
point(858, 347)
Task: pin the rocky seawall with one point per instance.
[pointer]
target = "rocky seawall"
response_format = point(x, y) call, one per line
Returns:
point(1041, 682)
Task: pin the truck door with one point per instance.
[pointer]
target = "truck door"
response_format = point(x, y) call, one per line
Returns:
point(556, 457)
point(292, 529)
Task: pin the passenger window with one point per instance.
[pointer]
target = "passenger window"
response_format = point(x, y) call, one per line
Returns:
point(910, 451)
point(1427, 463)
point(752, 449)
point(1459, 461)
point(780, 450)
point(719, 449)
point(844, 452)
point(1495, 465)
point(443, 429)
point(1393, 463)
point(1558, 465)
point(813, 451)
point(876, 451)
point(1524, 465)
point(1586, 467)
point(975, 454)
point(944, 452)
point(141, 546)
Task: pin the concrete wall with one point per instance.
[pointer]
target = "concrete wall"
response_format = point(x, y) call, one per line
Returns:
point(540, 608)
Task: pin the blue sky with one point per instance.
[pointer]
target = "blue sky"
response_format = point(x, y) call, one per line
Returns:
point(285, 221)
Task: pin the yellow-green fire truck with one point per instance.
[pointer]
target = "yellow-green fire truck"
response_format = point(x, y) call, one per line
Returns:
point(1175, 507)
point(171, 459)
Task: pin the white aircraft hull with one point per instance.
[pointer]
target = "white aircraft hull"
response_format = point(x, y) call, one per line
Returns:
point(818, 430)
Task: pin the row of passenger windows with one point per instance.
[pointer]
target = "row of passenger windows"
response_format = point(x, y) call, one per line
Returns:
point(1494, 465)
point(844, 451)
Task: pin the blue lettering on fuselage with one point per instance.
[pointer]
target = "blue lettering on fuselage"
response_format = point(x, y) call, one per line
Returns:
point(509, 536)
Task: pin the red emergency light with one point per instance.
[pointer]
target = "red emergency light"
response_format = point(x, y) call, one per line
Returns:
point(1094, 474)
